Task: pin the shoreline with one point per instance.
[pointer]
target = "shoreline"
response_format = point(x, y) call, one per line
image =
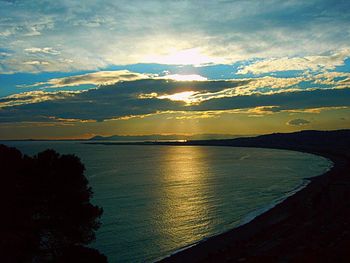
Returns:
point(190, 252)
point(255, 213)
point(246, 220)
point(251, 216)
point(312, 225)
point(309, 223)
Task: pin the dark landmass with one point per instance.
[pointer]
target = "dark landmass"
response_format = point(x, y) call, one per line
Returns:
point(47, 216)
point(144, 138)
point(160, 137)
point(311, 226)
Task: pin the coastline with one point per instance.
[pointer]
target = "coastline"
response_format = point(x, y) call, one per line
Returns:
point(308, 226)
point(253, 214)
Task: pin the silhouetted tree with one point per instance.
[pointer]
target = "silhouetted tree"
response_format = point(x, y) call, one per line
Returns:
point(46, 211)
point(81, 254)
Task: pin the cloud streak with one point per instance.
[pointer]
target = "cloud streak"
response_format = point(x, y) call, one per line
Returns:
point(96, 78)
point(125, 99)
point(45, 50)
point(314, 63)
point(298, 122)
point(245, 87)
point(35, 97)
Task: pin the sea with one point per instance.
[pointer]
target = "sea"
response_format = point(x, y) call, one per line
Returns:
point(158, 200)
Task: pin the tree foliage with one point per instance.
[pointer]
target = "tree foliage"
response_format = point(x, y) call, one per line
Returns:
point(46, 211)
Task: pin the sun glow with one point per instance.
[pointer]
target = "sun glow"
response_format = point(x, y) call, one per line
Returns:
point(191, 56)
point(186, 96)
point(191, 77)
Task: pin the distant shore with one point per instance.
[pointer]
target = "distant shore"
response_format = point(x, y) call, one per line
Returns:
point(310, 226)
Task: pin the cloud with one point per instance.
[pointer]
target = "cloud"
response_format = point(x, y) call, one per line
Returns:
point(4, 53)
point(96, 78)
point(36, 62)
point(184, 77)
point(45, 50)
point(298, 122)
point(193, 56)
point(259, 111)
point(127, 98)
point(244, 87)
point(186, 96)
point(315, 110)
point(192, 114)
point(122, 32)
point(34, 97)
point(67, 121)
point(337, 79)
point(314, 63)
point(194, 89)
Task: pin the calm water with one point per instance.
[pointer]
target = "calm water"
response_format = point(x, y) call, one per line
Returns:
point(158, 199)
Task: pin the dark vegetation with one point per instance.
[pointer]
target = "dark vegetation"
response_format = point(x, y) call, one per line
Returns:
point(46, 214)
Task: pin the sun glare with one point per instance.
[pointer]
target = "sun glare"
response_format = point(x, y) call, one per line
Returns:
point(183, 57)
point(191, 77)
point(186, 96)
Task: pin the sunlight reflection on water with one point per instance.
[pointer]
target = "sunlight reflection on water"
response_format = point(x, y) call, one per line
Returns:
point(158, 199)
point(184, 196)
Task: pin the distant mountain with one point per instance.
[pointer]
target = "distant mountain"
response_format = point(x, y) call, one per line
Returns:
point(159, 137)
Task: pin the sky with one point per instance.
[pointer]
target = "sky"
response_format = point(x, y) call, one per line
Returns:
point(76, 69)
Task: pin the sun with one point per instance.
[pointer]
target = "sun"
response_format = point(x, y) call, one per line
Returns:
point(185, 96)
point(191, 56)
